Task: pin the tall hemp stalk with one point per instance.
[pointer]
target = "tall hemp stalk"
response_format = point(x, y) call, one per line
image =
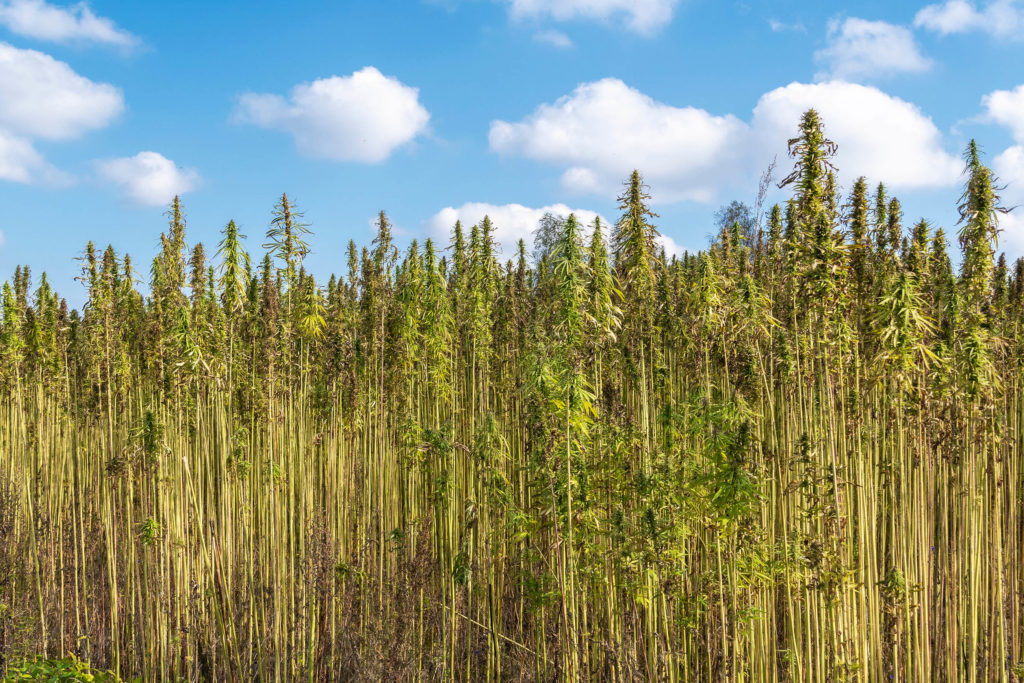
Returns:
point(793, 456)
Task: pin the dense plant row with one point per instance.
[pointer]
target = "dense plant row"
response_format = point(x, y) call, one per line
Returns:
point(794, 456)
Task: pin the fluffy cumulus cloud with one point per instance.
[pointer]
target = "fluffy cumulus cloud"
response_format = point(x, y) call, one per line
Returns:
point(148, 178)
point(363, 117)
point(19, 160)
point(77, 23)
point(512, 222)
point(858, 48)
point(44, 98)
point(1009, 168)
point(641, 16)
point(1001, 18)
point(880, 136)
point(1007, 108)
point(603, 130)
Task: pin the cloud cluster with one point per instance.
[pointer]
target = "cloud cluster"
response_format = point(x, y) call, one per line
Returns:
point(42, 98)
point(880, 136)
point(77, 23)
point(363, 117)
point(602, 130)
point(1000, 18)
point(1009, 168)
point(21, 163)
point(858, 48)
point(1006, 107)
point(594, 135)
point(148, 178)
point(641, 16)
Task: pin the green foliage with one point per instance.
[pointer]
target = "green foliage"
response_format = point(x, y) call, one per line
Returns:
point(286, 239)
point(793, 455)
point(67, 670)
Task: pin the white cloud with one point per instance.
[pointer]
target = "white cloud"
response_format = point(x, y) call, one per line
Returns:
point(41, 20)
point(3, 240)
point(859, 48)
point(641, 16)
point(603, 130)
point(780, 26)
point(954, 16)
point(672, 248)
point(554, 38)
point(879, 136)
point(512, 222)
point(363, 117)
point(1007, 108)
point(19, 160)
point(1009, 168)
point(1011, 236)
point(1002, 18)
point(41, 97)
point(148, 178)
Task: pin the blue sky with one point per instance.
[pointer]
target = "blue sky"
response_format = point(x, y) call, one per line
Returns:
point(440, 109)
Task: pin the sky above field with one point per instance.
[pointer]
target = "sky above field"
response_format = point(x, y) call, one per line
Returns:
point(436, 110)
